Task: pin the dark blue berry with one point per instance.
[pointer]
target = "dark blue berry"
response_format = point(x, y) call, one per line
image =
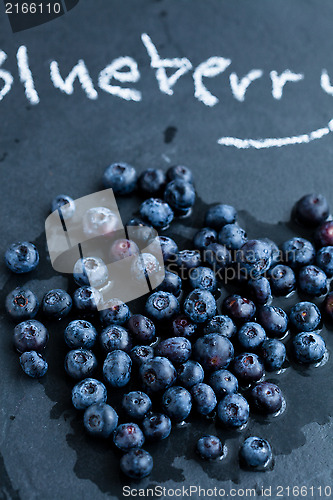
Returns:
point(169, 248)
point(121, 177)
point(136, 404)
point(21, 304)
point(117, 368)
point(152, 181)
point(182, 326)
point(80, 333)
point(209, 447)
point(273, 319)
point(305, 316)
point(255, 453)
point(266, 397)
point(200, 305)
point(248, 367)
point(204, 237)
point(324, 260)
point(157, 374)
point(136, 464)
point(283, 279)
point(180, 172)
point(328, 307)
point(186, 260)
point(86, 299)
point(240, 309)
point(156, 426)
point(115, 312)
point(128, 436)
point(254, 258)
point(65, 205)
point(33, 364)
point(180, 195)
point(157, 212)
point(176, 349)
point(190, 373)
point(203, 398)
point(219, 215)
point(250, 336)
point(56, 304)
point(298, 252)
point(309, 347)
point(311, 210)
point(312, 280)
point(142, 329)
point(232, 236)
point(273, 353)
point(172, 283)
point(223, 382)
point(21, 257)
point(80, 363)
point(324, 234)
point(177, 403)
point(141, 353)
point(260, 290)
point(115, 337)
point(233, 410)
point(100, 420)
point(162, 305)
point(30, 335)
point(217, 256)
point(221, 324)
point(88, 392)
point(213, 351)
point(203, 277)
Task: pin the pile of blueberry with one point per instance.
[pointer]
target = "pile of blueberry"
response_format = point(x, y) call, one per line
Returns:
point(190, 351)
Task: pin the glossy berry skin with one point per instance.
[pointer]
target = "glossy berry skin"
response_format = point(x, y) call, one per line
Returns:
point(121, 177)
point(190, 374)
point(140, 231)
point(33, 364)
point(86, 300)
point(182, 326)
point(283, 279)
point(21, 304)
point(142, 329)
point(221, 324)
point(65, 204)
point(255, 453)
point(209, 447)
point(80, 363)
point(122, 249)
point(88, 392)
point(266, 397)
point(239, 309)
point(30, 335)
point(213, 351)
point(80, 333)
point(233, 410)
point(276, 253)
point(328, 307)
point(157, 374)
point(180, 195)
point(203, 398)
point(136, 404)
point(21, 257)
point(116, 312)
point(223, 383)
point(141, 353)
point(312, 281)
point(176, 349)
point(115, 337)
point(203, 278)
point(162, 306)
point(273, 354)
point(156, 426)
point(204, 237)
point(136, 464)
point(90, 271)
point(100, 420)
point(305, 316)
point(172, 283)
point(248, 368)
point(156, 212)
point(311, 210)
point(169, 248)
point(216, 255)
point(100, 221)
point(309, 347)
point(200, 305)
point(56, 304)
point(117, 368)
point(254, 258)
point(186, 260)
point(180, 172)
point(274, 320)
point(250, 336)
point(232, 236)
point(128, 437)
point(177, 403)
point(324, 260)
point(219, 215)
point(298, 252)
point(324, 234)
point(151, 182)
point(260, 290)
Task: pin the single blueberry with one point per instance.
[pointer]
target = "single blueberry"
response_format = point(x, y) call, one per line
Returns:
point(311, 210)
point(122, 249)
point(324, 234)
point(162, 305)
point(180, 195)
point(209, 447)
point(232, 236)
point(136, 404)
point(250, 336)
point(266, 397)
point(90, 271)
point(156, 212)
point(86, 299)
point(33, 364)
point(115, 312)
point(219, 215)
point(87, 392)
point(169, 248)
point(21, 257)
point(190, 373)
point(128, 436)
point(282, 279)
point(312, 280)
point(186, 260)
point(213, 351)
point(117, 368)
point(80, 363)
point(203, 277)
point(172, 283)
point(136, 464)
point(273, 353)
point(223, 382)
point(65, 204)
point(156, 426)
point(56, 304)
point(177, 403)
point(309, 347)
point(324, 260)
point(203, 398)
point(217, 256)
point(255, 453)
point(221, 324)
point(204, 237)
point(254, 258)
point(146, 267)
point(305, 316)
point(121, 177)
point(141, 353)
point(115, 337)
point(233, 410)
point(142, 329)
point(298, 252)
point(157, 374)
point(100, 221)
point(80, 333)
point(152, 181)
point(30, 335)
point(240, 309)
point(180, 172)
point(260, 290)
point(22, 304)
point(200, 305)
point(182, 326)
point(100, 420)
point(176, 349)
point(248, 367)
point(273, 319)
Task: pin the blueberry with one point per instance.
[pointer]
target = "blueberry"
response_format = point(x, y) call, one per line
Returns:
point(250, 336)
point(260, 290)
point(56, 304)
point(65, 204)
point(186, 260)
point(221, 324)
point(233, 410)
point(157, 212)
point(121, 177)
point(176, 349)
point(177, 403)
point(142, 329)
point(324, 234)
point(117, 368)
point(141, 231)
point(203, 277)
point(254, 258)
point(152, 181)
point(100, 420)
point(90, 271)
point(162, 305)
point(115, 312)
point(240, 309)
point(80, 363)
point(200, 305)
point(312, 280)
point(180, 172)
point(180, 195)
point(255, 453)
point(311, 210)
point(168, 246)
point(273, 319)
point(213, 351)
point(266, 397)
point(204, 237)
point(298, 252)
point(115, 337)
point(328, 306)
point(305, 316)
point(216, 255)
point(248, 367)
point(30, 335)
point(172, 283)
point(276, 253)
point(232, 236)
point(128, 437)
point(182, 326)
point(203, 398)
point(209, 447)
point(21, 304)
point(157, 374)
point(33, 364)
point(86, 299)
point(219, 215)
point(88, 392)
point(156, 426)
point(136, 404)
point(283, 279)
point(145, 267)
point(136, 464)
point(223, 382)
point(21, 257)
point(273, 353)
point(190, 373)
point(309, 347)
point(100, 221)
point(80, 333)
point(141, 353)
point(324, 260)
point(122, 249)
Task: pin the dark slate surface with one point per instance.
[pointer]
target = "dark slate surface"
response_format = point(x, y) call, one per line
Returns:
point(63, 145)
